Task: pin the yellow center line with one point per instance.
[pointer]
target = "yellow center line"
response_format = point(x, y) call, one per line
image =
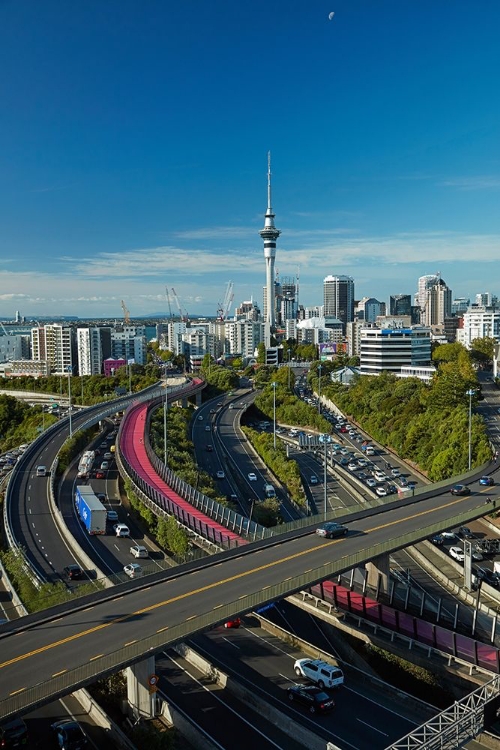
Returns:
point(209, 586)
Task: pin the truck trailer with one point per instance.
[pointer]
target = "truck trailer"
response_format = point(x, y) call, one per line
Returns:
point(91, 511)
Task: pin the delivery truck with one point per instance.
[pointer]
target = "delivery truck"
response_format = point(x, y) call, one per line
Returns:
point(91, 511)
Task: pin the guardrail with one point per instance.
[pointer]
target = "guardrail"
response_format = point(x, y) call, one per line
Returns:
point(134, 652)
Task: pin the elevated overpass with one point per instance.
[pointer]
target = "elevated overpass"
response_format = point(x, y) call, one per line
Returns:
point(53, 652)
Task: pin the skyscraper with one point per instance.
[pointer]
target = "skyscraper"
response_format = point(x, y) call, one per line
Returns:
point(269, 234)
point(338, 298)
point(400, 304)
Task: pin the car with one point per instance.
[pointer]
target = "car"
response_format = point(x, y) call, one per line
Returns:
point(103, 445)
point(361, 475)
point(313, 479)
point(133, 570)
point(101, 497)
point(448, 534)
point(213, 411)
point(457, 553)
point(220, 474)
point(104, 466)
point(403, 482)
point(69, 735)
point(207, 428)
point(41, 471)
point(13, 733)
point(100, 474)
point(371, 482)
point(121, 529)
point(108, 456)
point(72, 572)
point(111, 515)
point(437, 539)
point(476, 555)
point(344, 451)
point(466, 533)
point(391, 489)
point(314, 698)
point(487, 575)
point(487, 481)
point(200, 418)
point(320, 672)
point(138, 550)
point(331, 529)
point(352, 466)
point(252, 477)
point(234, 623)
point(379, 476)
point(381, 491)
point(460, 489)
point(209, 448)
point(395, 472)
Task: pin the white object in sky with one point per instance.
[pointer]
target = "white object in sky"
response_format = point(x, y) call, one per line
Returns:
point(331, 15)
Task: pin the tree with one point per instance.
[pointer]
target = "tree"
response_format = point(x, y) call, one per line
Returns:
point(261, 353)
point(483, 349)
point(447, 352)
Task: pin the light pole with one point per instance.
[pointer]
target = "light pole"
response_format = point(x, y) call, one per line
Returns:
point(165, 421)
point(69, 369)
point(274, 384)
point(470, 393)
point(319, 389)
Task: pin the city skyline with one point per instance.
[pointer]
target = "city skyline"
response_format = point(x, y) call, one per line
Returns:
point(135, 151)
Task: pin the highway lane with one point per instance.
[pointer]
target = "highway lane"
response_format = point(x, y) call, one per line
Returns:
point(227, 720)
point(73, 639)
point(362, 719)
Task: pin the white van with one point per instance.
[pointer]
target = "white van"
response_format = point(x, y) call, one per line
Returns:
point(41, 471)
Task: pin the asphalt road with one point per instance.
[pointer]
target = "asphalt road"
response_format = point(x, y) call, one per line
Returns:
point(80, 637)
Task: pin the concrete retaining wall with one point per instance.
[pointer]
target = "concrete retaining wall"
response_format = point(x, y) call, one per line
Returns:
point(101, 719)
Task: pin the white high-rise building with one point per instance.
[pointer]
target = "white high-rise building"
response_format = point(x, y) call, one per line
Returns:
point(53, 344)
point(269, 234)
point(338, 298)
point(424, 283)
point(478, 323)
point(243, 336)
point(129, 342)
point(89, 351)
point(437, 304)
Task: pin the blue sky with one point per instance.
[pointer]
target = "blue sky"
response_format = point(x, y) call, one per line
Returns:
point(135, 136)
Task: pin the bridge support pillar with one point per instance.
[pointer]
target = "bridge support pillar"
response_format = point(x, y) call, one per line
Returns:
point(377, 573)
point(184, 403)
point(198, 399)
point(140, 698)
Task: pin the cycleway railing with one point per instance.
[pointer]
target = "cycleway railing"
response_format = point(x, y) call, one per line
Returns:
point(161, 503)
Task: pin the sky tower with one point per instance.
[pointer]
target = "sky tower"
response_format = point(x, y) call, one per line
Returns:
point(269, 234)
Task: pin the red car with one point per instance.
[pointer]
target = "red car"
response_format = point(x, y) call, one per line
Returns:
point(99, 474)
point(235, 623)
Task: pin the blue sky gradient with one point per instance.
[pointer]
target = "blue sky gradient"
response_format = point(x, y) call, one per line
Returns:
point(135, 136)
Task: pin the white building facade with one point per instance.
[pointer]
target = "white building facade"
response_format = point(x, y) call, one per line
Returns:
point(390, 349)
point(478, 323)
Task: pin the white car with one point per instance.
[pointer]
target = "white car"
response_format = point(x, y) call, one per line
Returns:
point(121, 529)
point(252, 477)
point(200, 418)
point(133, 570)
point(105, 466)
point(220, 474)
point(457, 553)
point(371, 482)
point(324, 675)
point(395, 472)
point(138, 550)
point(207, 428)
point(381, 491)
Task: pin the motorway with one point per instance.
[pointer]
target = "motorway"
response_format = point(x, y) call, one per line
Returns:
point(136, 611)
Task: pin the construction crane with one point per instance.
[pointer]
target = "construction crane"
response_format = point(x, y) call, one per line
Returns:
point(168, 302)
point(182, 313)
point(223, 307)
point(126, 314)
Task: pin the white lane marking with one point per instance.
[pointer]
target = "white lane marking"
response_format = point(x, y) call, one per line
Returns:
point(229, 708)
point(230, 642)
point(370, 726)
point(380, 705)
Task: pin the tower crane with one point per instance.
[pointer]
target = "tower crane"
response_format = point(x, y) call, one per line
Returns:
point(168, 302)
point(126, 314)
point(223, 307)
point(183, 314)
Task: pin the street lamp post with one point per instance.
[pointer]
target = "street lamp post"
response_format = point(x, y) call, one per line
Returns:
point(319, 389)
point(470, 394)
point(274, 413)
point(165, 423)
point(325, 475)
point(69, 369)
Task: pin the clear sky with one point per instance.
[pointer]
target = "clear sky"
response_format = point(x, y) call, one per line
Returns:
point(134, 138)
